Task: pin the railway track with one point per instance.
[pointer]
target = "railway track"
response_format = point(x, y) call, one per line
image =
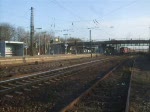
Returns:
point(12, 71)
point(17, 84)
point(108, 94)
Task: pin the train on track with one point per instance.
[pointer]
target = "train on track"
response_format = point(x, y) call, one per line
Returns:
point(125, 50)
point(109, 50)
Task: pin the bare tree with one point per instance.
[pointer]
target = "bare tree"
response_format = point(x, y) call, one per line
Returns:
point(7, 32)
point(21, 34)
point(72, 40)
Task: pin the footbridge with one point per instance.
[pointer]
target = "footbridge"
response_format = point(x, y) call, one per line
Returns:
point(98, 46)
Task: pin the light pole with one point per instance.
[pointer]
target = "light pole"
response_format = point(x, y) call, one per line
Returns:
point(66, 43)
point(90, 41)
point(44, 42)
point(149, 39)
point(31, 32)
point(83, 45)
point(39, 40)
point(26, 45)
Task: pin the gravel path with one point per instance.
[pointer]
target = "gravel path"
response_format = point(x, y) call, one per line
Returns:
point(140, 88)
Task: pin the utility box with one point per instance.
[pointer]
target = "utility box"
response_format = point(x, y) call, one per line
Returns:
point(11, 48)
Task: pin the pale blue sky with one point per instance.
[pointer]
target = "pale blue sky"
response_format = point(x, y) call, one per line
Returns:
point(115, 19)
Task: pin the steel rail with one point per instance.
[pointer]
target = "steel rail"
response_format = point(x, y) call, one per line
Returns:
point(54, 70)
point(22, 82)
point(74, 102)
point(129, 89)
point(88, 91)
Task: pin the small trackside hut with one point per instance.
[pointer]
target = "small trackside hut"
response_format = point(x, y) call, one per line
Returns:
point(11, 48)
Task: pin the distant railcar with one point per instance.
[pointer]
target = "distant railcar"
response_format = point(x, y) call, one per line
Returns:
point(124, 50)
point(109, 50)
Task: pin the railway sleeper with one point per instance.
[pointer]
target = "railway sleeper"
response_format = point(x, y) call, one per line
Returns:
point(10, 84)
point(21, 83)
point(86, 109)
point(111, 106)
point(96, 109)
point(19, 93)
point(5, 87)
point(26, 89)
point(35, 87)
point(52, 80)
point(103, 98)
point(9, 96)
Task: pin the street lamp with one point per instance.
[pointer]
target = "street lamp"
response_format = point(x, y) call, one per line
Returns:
point(39, 41)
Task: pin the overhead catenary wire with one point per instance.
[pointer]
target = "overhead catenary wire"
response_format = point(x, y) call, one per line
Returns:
point(79, 19)
point(64, 8)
